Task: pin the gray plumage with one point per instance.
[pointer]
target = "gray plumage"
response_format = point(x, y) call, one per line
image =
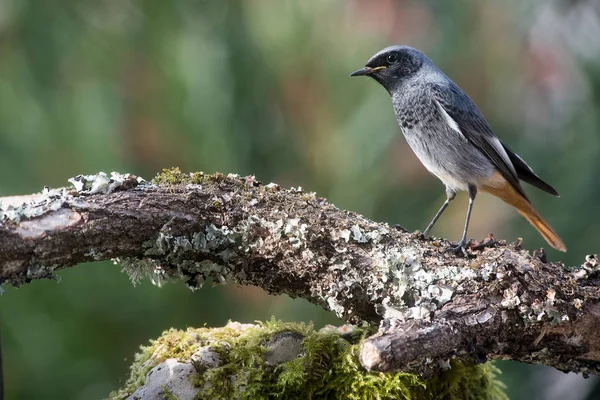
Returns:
point(446, 130)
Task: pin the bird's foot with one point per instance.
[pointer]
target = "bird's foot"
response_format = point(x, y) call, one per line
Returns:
point(460, 250)
point(400, 228)
point(419, 235)
point(490, 241)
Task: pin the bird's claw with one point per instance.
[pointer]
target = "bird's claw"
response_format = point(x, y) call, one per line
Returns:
point(459, 250)
point(489, 241)
point(399, 227)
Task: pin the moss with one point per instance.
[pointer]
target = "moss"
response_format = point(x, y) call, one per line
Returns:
point(171, 176)
point(327, 368)
point(167, 394)
point(468, 382)
point(174, 176)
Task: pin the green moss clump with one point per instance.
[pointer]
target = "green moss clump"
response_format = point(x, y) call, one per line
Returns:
point(168, 395)
point(467, 383)
point(327, 368)
point(171, 176)
point(174, 176)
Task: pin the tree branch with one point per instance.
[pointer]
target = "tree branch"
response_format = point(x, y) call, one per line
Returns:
point(500, 303)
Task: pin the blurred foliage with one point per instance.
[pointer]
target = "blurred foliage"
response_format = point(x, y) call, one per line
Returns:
point(262, 87)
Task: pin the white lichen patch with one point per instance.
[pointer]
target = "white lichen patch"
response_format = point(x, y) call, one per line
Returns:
point(392, 312)
point(546, 308)
point(486, 270)
point(295, 232)
point(100, 182)
point(399, 286)
point(510, 298)
point(343, 234)
point(482, 317)
point(443, 293)
point(358, 235)
point(136, 269)
point(193, 186)
point(420, 312)
point(332, 303)
point(158, 276)
point(361, 235)
point(416, 292)
point(16, 209)
point(537, 310)
point(95, 255)
point(589, 267)
point(50, 205)
point(340, 266)
point(406, 287)
point(38, 271)
point(230, 244)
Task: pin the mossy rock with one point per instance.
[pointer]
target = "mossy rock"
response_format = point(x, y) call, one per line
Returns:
point(277, 360)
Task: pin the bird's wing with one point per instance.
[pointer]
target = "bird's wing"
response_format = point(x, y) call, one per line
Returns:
point(525, 173)
point(473, 126)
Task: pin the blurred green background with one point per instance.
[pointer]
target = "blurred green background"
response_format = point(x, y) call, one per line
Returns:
point(261, 87)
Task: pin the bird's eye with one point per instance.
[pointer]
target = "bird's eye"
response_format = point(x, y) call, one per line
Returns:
point(392, 58)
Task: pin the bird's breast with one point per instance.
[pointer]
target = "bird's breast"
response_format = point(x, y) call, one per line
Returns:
point(445, 153)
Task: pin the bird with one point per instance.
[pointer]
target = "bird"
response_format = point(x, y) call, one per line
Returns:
point(452, 139)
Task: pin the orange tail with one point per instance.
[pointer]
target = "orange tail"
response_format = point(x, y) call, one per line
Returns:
point(501, 188)
point(543, 228)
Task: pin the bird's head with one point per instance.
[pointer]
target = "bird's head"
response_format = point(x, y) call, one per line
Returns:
point(393, 65)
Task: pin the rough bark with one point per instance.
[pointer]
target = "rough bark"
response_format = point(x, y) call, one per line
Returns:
point(501, 302)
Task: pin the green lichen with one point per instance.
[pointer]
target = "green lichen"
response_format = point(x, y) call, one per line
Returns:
point(327, 368)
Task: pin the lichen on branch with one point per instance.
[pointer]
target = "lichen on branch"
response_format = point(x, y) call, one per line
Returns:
point(431, 307)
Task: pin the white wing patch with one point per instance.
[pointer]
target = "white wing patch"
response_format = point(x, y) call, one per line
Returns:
point(449, 120)
point(494, 141)
point(500, 149)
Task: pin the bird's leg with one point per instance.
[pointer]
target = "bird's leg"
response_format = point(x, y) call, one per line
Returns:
point(450, 195)
point(461, 248)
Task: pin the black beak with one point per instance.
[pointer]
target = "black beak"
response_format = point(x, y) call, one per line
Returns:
point(367, 70)
point(362, 71)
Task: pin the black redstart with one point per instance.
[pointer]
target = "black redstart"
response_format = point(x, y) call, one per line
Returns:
point(452, 139)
